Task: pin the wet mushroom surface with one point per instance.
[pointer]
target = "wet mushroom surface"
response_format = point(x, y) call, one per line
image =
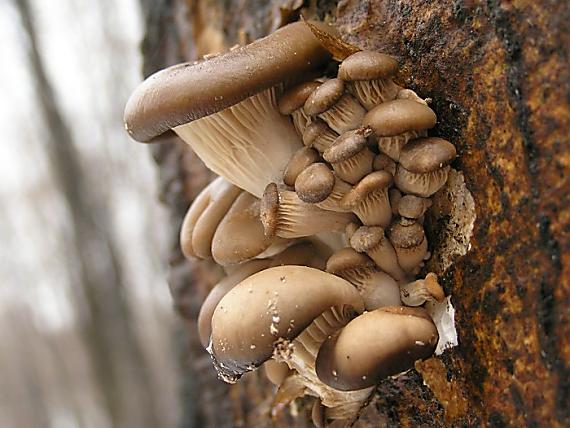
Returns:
point(304, 319)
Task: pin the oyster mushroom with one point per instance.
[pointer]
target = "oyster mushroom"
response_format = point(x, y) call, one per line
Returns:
point(302, 158)
point(203, 217)
point(318, 185)
point(418, 292)
point(376, 345)
point(276, 372)
point(319, 135)
point(372, 241)
point(410, 242)
point(377, 288)
point(291, 311)
point(350, 157)
point(397, 122)
point(369, 77)
point(292, 102)
point(340, 110)
point(284, 214)
point(383, 162)
point(225, 107)
point(240, 235)
point(413, 207)
point(369, 199)
point(424, 166)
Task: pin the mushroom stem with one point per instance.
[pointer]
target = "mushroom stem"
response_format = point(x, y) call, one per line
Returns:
point(249, 143)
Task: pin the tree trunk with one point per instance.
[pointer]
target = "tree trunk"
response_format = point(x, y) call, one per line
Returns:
point(498, 75)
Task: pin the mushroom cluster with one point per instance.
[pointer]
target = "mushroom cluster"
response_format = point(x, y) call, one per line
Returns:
point(317, 214)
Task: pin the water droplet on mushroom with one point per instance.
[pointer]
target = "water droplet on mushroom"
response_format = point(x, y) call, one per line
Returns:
point(420, 343)
point(334, 373)
point(252, 347)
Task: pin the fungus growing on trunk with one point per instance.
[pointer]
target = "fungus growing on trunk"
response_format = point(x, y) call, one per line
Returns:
point(369, 76)
point(319, 135)
point(350, 157)
point(318, 185)
point(225, 107)
point(302, 158)
point(418, 292)
point(409, 240)
point(292, 102)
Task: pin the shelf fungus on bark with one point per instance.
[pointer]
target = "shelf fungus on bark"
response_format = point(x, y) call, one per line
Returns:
point(316, 217)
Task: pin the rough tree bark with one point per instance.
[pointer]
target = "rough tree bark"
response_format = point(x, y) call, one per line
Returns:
point(499, 79)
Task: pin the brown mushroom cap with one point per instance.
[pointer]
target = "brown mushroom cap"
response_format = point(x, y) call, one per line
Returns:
point(383, 162)
point(411, 206)
point(240, 235)
point(398, 116)
point(324, 97)
point(295, 97)
point(315, 183)
point(276, 372)
point(367, 65)
point(427, 154)
point(375, 181)
point(347, 259)
point(346, 146)
point(375, 345)
point(281, 302)
point(366, 237)
point(185, 92)
point(406, 235)
point(302, 158)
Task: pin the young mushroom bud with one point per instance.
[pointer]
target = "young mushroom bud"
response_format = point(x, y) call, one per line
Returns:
point(372, 241)
point(377, 288)
point(410, 242)
point(369, 199)
point(319, 135)
point(424, 166)
point(203, 217)
point(302, 158)
point(225, 107)
point(376, 345)
point(350, 157)
point(413, 207)
point(383, 162)
point(292, 102)
point(276, 372)
point(284, 214)
point(418, 292)
point(397, 122)
point(240, 235)
point(340, 110)
point(318, 185)
point(408, 94)
point(369, 76)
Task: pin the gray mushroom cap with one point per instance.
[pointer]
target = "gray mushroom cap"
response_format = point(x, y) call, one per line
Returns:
point(367, 65)
point(324, 97)
point(398, 116)
point(427, 154)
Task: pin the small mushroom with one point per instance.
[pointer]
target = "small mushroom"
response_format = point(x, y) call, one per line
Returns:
point(410, 242)
point(302, 158)
point(383, 162)
point(418, 292)
point(377, 288)
point(276, 372)
point(376, 345)
point(369, 76)
point(319, 135)
point(424, 166)
point(203, 217)
point(397, 122)
point(284, 214)
point(408, 94)
point(372, 241)
point(350, 157)
point(225, 107)
point(292, 101)
point(413, 207)
point(240, 235)
point(369, 199)
point(340, 110)
point(318, 185)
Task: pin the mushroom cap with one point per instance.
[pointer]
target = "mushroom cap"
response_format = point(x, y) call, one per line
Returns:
point(324, 97)
point(375, 345)
point(314, 130)
point(427, 154)
point(398, 116)
point(366, 237)
point(269, 209)
point(189, 91)
point(374, 181)
point(315, 183)
point(295, 97)
point(383, 162)
point(302, 158)
point(240, 235)
point(367, 65)
point(348, 259)
point(346, 146)
point(411, 206)
point(281, 302)
point(406, 235)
